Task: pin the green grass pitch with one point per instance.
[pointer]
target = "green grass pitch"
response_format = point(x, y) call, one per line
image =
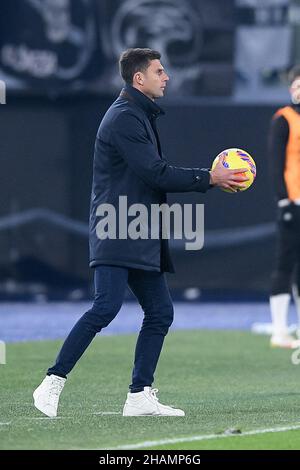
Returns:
point(222, 379)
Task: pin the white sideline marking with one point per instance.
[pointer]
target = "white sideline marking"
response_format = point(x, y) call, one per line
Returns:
point(50, 418)
point(95, 413)
point(5, 424)
point(204, 437)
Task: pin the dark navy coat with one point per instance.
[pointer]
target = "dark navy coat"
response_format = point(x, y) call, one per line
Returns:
point(128, 161)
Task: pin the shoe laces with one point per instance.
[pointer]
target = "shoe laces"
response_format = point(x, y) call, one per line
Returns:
point(153, 393)
point(56, 387)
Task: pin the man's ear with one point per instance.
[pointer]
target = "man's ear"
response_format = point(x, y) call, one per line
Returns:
point(139, 78)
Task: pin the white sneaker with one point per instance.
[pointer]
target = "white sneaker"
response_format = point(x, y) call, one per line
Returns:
point(146, 403)
point(46, 396)
point(285, 341)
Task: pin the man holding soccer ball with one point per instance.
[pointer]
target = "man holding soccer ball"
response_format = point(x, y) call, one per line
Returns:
point(129, 162)
point(284, 152)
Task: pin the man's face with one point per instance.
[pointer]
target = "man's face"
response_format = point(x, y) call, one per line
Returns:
point(153, 81)
point(295, 91)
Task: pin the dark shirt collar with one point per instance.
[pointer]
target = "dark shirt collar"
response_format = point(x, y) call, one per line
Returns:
point(296, 107)
point(148, 106)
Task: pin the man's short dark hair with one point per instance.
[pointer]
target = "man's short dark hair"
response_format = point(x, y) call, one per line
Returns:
point(136, 60)
point(293, 74)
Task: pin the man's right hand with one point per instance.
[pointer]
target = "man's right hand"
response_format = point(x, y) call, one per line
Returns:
point(226, 178)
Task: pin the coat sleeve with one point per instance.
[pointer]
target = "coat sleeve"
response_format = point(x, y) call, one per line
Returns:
point(130, 139)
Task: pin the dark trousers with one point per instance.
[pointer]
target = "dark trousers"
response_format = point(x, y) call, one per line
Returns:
point(151, 290)
point(287, 263)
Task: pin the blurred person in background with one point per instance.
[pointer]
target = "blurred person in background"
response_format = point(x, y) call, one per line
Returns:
point(284, 157)
point(129, 161)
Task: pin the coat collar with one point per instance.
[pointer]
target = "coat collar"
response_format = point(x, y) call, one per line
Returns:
point(296, 107)
point(148, 106)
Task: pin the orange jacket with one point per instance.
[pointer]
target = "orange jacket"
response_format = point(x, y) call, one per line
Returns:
point(292, 157)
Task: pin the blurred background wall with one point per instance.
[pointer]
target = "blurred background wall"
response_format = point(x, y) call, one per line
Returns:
point(228, 62)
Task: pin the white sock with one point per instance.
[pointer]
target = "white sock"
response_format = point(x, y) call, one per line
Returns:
point(279, 305)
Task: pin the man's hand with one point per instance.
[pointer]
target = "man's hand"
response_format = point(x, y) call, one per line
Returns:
point(226, 178)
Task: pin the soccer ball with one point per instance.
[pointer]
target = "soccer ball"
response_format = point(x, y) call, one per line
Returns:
point(237, 158)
